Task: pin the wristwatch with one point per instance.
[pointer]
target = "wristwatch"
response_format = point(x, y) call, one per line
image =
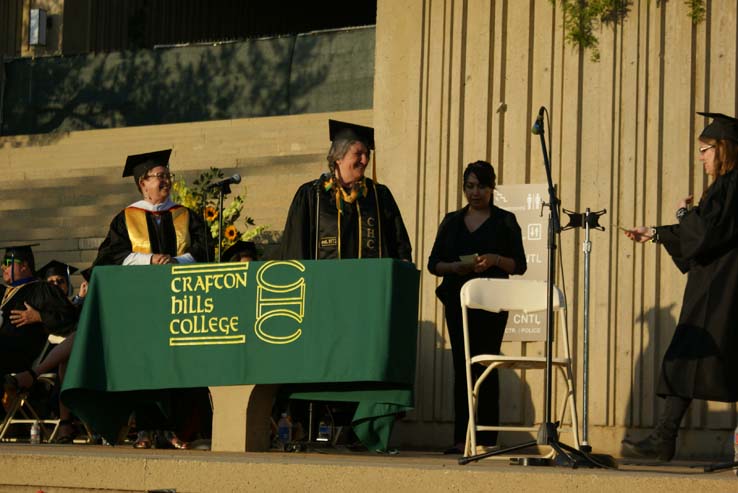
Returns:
point(654, 234)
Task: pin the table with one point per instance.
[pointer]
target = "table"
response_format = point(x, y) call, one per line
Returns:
point(346, 327)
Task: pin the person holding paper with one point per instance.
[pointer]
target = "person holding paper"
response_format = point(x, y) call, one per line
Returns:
point(700, 361)
point(479, 240)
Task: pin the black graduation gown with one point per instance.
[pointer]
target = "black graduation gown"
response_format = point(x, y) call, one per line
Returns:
point(20, 346)
point(298, 241)
point(117, 244)
point(701, 361)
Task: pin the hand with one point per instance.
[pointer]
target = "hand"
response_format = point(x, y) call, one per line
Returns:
point(485, 261)
point(641, 234)
point(461, 268)
point(685, 203)
point(82, 289)
point(160, 259)
point(28, 316)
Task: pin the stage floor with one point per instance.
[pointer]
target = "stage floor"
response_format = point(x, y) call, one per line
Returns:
point(84, 468)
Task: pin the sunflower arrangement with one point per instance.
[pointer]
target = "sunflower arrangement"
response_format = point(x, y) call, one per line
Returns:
point(203, 200)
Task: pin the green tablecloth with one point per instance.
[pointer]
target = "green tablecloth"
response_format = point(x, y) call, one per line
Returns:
point(347, 322)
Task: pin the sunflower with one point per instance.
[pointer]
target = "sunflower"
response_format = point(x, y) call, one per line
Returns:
point(231, 233)
point(210, 213)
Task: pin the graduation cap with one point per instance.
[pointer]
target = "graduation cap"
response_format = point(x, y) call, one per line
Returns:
point(722, 127)
point(56, 268)
point(349, 131)
point(20, 252)
point(137, 165)
point(240, 248)
point(86, 273)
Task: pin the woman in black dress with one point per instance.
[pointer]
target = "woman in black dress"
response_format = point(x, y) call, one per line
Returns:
point(493, 235)
point(700, 362)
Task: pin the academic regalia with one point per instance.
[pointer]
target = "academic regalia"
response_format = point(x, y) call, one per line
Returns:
point(701, 362)
point(142, 229)
point(20, 346)
point(370, 227)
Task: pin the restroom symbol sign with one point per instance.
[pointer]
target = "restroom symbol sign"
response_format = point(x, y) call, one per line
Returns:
point(535, 231)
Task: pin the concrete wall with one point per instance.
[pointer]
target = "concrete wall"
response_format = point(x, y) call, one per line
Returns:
point(62, 190)
point(457, 81)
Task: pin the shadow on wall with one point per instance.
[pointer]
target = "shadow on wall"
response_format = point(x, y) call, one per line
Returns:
point(434, 395)
point(259, 77)
point(641, 422)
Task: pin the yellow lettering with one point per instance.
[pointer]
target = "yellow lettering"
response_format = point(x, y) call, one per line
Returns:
point(267, 307)
point(173, 285)
point(172, 326)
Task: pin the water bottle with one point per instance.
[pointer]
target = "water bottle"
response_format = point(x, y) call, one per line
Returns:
point(35, 433)
point(284, 430)
point(324, 430)
point(735, 449)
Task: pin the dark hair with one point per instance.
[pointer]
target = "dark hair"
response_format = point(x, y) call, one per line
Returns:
point(484, 172)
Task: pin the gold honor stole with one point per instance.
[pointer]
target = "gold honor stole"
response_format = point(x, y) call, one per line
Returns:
point(138, 230)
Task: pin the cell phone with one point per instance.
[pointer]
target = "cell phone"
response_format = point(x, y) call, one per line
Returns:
point(468, 259)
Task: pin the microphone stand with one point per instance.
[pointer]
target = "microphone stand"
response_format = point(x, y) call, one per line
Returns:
point(588, 220)
point(564, 455)
point(224, 188)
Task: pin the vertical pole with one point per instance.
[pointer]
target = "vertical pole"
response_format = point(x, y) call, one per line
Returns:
point(220, 224)
point(587, 248)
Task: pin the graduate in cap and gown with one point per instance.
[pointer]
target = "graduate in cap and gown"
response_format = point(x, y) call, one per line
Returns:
point(56, 274)
point(241, 251)
point(344, 214)
point(29, 312)
point(153, 230)
point(701, 361)
point(59, 274)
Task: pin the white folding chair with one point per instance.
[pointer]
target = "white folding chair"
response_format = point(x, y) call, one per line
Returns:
point(496, 295)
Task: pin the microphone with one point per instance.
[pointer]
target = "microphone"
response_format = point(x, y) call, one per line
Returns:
point(538, 124)
point(228, 181)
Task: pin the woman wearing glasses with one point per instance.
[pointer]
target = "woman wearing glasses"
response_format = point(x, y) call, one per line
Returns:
point(480, 240)
point(700, 361)
point(153, 230)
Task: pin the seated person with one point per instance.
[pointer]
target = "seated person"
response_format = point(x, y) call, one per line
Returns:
point(21, 338)
point(241, 251)
point(58, 274)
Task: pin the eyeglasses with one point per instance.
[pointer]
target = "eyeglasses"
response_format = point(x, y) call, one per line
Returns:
point(706, 148)
point(161, 176)
point(8, 261)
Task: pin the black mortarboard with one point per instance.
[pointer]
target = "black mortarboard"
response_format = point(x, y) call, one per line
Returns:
point(350, 131)
point(22, 252)
point(56, 268)
point(240, 247)
point(86, 273)
point(722, 127)
point(138, 165)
